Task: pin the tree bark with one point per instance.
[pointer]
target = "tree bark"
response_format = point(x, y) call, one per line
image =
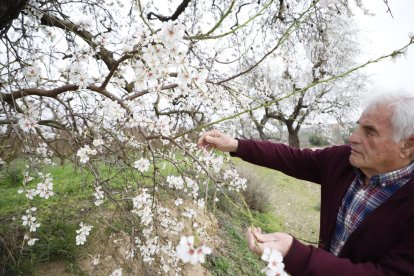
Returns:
point(293, 135)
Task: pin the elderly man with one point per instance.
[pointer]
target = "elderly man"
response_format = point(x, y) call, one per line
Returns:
point(367, 198)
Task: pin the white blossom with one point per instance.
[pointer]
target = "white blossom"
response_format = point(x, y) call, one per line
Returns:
point(82, 233)
point(116, 272)
point(31, 242)
point(179, 201)
point(142, 165)
point(98, 142)
point(96, 260)
point(84, 153)
point(99, 195)
point(175, 182)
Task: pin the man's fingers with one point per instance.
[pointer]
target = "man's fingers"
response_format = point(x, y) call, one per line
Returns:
point(208, 139)
point(252, 243)
point(263, 237)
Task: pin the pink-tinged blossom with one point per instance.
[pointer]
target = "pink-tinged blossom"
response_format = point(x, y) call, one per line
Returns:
point(188, 254)
point(45, 190)
point(275, 264)
point(32, 72)
point(26, 123)
point(170, 31)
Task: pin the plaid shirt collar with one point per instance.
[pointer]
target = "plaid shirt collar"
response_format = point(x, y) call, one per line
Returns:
point(388, 178)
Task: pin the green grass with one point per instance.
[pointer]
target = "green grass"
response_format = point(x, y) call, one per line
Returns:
point(59, 217)
point(297, 202)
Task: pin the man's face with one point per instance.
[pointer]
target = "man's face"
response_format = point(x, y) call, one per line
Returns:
point(373, 148)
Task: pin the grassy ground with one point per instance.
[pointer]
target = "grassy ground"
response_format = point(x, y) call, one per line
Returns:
point(295, 202)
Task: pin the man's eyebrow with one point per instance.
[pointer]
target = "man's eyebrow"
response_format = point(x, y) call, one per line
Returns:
point(370, 128)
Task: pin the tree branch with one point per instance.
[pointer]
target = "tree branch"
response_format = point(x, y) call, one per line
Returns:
point(53, 21)
point(180, 9)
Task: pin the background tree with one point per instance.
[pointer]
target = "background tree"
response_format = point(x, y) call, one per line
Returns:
point(319, 49)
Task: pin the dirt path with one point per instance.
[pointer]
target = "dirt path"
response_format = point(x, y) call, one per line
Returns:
point(296, 202)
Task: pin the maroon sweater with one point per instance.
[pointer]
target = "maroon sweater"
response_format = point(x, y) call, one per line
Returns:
point(383, 244)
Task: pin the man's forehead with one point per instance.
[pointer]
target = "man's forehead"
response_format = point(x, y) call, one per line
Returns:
point(378, 116)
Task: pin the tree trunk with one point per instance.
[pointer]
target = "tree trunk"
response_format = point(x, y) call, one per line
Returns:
point(294, 139)
point(293, 136)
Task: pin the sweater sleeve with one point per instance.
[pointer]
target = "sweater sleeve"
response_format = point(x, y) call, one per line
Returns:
point(308, 260)
point(299, 163)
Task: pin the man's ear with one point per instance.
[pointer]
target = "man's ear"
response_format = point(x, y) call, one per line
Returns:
point(407, 148)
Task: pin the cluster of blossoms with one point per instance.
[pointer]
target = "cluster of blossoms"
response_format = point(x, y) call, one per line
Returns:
point(29, 219)
point(155, 244)
point(44, 189)
point(111, 112)
point(142, 165)
point(175, 182)
point(44, 154)
point(210, 159)
point(82, 233)
point(189, 254)
point(235, 181)
point(275, 265)
point(85, 152)
point(142, 207)
point(99, 195)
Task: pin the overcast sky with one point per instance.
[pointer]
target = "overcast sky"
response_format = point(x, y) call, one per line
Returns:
point(383, 34)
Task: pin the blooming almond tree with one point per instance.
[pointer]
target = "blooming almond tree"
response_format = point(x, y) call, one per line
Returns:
point(121, 89)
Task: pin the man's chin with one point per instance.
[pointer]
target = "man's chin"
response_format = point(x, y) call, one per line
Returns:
point(353, 160)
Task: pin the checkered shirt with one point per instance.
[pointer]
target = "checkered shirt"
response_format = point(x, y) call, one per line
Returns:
point(360, 200)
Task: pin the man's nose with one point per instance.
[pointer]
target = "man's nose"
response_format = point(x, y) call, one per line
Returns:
point(353, 138)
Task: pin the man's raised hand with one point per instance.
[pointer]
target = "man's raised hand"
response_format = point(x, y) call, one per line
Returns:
point(218, 140)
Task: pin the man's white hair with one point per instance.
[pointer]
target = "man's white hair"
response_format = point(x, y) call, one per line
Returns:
point(402, 106)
